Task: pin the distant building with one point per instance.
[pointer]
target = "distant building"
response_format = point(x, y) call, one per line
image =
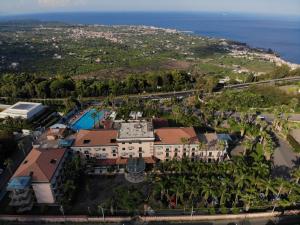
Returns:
point(113, 148)
point(38, 179)
point(25, 110)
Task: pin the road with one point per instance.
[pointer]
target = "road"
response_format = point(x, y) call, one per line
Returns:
point(284, 158)
point(295, 220)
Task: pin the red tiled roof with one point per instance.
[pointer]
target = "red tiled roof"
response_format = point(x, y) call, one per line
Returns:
point(175, 136)
point(41, 163)
point(121, 161)
point(150, 160)
point(90, 138)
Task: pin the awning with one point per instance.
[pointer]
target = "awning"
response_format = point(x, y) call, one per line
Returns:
point(19, 183)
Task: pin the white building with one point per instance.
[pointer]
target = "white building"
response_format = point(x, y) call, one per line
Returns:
point(25, 110)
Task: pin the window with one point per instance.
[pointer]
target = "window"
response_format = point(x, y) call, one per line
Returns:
point(123, 149)
point(86, 152)
point(184, 154)
point(140, 142)
point(140, 155)
point(210, 154)
point(130, 143)
point(176, 149)
point(167, 154)
point(114, 154)
point(140, 149)
point(52, 161)
point(176, 154)
point(86, 141)
point(103, 149)
point(193, 149)
point(167, 149)
point(123, 143)
point(193, 154)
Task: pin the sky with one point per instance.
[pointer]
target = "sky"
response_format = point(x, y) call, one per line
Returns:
point(280, 7)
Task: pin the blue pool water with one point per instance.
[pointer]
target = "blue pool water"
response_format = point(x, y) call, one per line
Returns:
point(86, 121)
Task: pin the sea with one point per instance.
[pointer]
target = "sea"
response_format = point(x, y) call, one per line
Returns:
point(279, 33)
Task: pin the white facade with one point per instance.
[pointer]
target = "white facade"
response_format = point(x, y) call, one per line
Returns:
point(43, 193)
point(25, 110)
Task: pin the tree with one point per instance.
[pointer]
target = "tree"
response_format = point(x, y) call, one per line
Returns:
point(70, 104)
point(94, 116)
point(42, 89)
point(296, 175)
point(8, 163)
point(248, 146)
point(176, 111)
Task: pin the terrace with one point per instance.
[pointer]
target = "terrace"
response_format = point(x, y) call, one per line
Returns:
point(136, 131)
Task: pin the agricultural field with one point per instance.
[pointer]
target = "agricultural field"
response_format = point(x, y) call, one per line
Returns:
point(112, 51)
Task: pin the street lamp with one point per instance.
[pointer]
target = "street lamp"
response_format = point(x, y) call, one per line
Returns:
point(102, 211)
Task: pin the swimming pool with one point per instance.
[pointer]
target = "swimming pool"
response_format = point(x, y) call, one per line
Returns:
point(86, 121)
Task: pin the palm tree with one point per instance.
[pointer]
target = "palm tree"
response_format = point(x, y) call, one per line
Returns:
point(261, 169)
point(268, 186)
point(248, 145)
point(21, 147)
point(296, 175)
point(207, 191)
point(248, 199)
point(8, 163)
point(94, 116)
point(241, 181)
point(176, 111)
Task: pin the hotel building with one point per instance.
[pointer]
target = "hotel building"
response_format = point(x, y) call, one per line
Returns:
point(112, 148)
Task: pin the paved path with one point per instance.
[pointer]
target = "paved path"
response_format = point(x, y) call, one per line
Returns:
point(284, 159)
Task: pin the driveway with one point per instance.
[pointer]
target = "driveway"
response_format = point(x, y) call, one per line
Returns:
point(284, 159)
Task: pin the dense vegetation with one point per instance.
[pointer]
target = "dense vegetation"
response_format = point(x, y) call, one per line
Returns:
point(25, 86)
point(256, 97)
point(229, 186)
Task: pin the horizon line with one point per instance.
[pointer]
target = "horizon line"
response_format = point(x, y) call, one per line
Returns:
point(149, 11)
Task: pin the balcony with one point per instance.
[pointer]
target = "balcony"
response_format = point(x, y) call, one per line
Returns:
point(25, 208)
point(19, 201)
point(22, 194)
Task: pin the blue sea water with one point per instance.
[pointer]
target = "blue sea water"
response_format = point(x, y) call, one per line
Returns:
point(282, 34)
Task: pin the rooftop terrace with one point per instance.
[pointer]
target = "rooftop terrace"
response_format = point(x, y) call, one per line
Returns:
point(135, 131)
